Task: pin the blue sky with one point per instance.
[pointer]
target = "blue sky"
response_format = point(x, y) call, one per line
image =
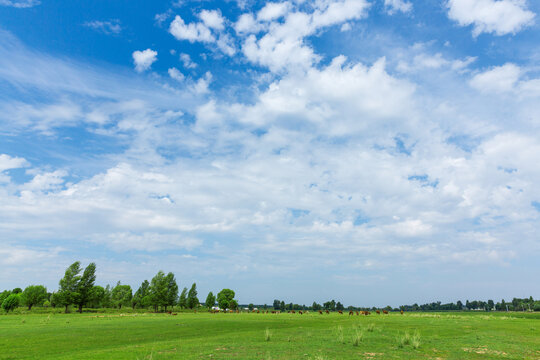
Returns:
point(374, 152)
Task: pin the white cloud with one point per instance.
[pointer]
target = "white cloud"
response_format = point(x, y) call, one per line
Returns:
point(498, 79)
point(175, 74)
point(7, 162)
point(212, 19)
point(489, 16)
point(273, 10)
point(187, 62)
point(106, 27)
point(393, 6)
point(246, 24)
point(20, 3)
point(201, 86)
point(507, 78)
point(192, 32)
point(144, 59)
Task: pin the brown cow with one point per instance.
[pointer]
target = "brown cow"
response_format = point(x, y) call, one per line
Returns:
point(340, 312)
point(401, 312)
point(378, 312)
point(351, 313)
point(357, 313)
point(385, 312)
point(300, 312)
point(320, 312)
point(328, 312)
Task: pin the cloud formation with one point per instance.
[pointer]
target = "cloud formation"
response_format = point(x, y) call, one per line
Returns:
point(144, 59)
point(489, 16)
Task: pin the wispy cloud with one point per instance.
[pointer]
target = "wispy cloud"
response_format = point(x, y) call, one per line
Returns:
point(107, 27)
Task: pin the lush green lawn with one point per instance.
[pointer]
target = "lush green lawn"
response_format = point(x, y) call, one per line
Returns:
point(292, 336)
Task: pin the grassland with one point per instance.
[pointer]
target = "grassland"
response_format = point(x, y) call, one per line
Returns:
point(270, 336)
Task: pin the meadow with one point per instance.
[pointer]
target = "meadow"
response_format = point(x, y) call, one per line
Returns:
point(455, 335)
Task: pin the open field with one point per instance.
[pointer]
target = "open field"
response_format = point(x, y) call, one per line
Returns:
point(271, 336)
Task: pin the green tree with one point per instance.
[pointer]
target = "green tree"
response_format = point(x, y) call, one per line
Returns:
point(34, 295)
point(16, 291)
point(172, 290)
point(141, 296)
point(182, 301)
point(121, 295)
point(339, 306)
point(67, 292)
point(84, 287)
point(251, 307)
point(224, 298)
point(11, 302)
point(192, 301)
point(158, 290)
point(3, 296)
point(97, 297)
point(210, 300)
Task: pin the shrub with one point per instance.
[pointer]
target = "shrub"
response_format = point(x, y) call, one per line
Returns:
point(370, 327)
point(11, 302)
point(415, 339)
point(339, 334)
point(358, 337)
point(267, 334)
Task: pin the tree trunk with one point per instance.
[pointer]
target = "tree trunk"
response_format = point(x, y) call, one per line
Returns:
point(66, 309)
point(30, 307)
point(80, 308)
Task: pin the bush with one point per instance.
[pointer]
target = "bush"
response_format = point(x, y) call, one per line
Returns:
point(11, 302)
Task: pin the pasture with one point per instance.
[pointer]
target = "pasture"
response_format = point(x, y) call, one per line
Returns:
point(460, 335)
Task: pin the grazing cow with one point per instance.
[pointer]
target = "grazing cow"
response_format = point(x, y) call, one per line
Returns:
point(401, 312)
point(357, 313)
point(385, 312)
point(320, 312)
point(366, 313)
point(174, 314)
point(300, 312)
point(351, 313)
point(378, 312)
point(328, 312)
point(340, 312)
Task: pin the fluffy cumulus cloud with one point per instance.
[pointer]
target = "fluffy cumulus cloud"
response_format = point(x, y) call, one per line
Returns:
point(490, 16)
point(144, 59)
point(507, 78)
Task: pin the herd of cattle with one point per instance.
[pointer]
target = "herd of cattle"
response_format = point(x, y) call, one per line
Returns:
point(302, 312)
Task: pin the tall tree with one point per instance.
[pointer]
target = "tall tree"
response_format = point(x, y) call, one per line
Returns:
point(121, 295)
point(224, 298)
point(210, 300)
point(11, 302)
point(182, 302)
point(158, 290)
point(172, 290)
point(84, 286)
point(68, 286)
point(34, 295)
point(192, 300)
point(141, 296)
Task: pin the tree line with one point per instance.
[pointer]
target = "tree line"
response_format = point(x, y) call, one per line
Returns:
point(77, 288)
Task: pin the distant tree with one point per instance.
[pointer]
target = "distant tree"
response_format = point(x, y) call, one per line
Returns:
point(339, 306)
point(11, 302)
point(16, 291)
point(84, 286)
point(34, 295)
point(459, 305)
point(233, 304)
point(107, 297)
point(316, 306)
point(251, 307)
point(3, 295)
point(172, 290)
point(265, 307)
point(224, 298)
point(158, 290)
point(96, 297)
point(141, 296)
point(210, 300)
point(276, 305)
point(282, 305)
point(182, 301)
point(490, 304)
point(68, 286)
point(121, 295)
point(192, 301)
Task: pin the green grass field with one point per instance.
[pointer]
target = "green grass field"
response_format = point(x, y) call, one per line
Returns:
point(270, 336)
